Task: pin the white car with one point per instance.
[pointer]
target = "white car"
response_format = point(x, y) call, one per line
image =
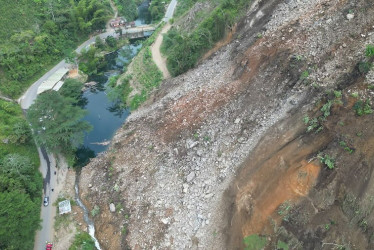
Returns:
point(46, 201)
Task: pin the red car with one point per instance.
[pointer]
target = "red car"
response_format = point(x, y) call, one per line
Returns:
point(48, 246)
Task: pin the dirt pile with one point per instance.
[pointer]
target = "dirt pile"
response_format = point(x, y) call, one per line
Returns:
point(185, 171)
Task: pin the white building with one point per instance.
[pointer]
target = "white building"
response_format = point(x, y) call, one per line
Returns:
point(54, 81)
point(64, 207)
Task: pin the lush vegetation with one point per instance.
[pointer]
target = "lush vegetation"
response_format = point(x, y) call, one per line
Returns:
point(146, 75)
point(183, 6)
point(184, 50)
point(36, 34)
point(149, 77)
point(56, 120)
point(157, 9)
point(82, 241)
point(127, 9)
point(20, 181)
point(92, 60)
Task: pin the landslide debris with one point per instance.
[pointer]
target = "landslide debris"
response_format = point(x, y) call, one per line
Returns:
point(221, 152)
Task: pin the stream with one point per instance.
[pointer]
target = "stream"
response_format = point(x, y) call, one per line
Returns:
point(104, 114)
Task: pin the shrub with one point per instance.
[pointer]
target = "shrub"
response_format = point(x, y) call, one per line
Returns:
point(369, 50)
point(326, 109)
point(362, 108)
point(338, 94)
point(95, 211)
point(84, 241)
point(344, 145)
point(355, 95)
point(327, 160)
point(364, 67)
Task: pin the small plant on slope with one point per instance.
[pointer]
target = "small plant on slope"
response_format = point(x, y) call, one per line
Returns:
point(327, 160)
point(255, 241)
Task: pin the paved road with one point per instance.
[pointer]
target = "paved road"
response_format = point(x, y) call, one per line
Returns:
point(47, 166)
point(170, 11)
point(30, 95)
point(47, 162)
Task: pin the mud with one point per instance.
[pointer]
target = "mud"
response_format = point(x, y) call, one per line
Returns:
point(283, 189)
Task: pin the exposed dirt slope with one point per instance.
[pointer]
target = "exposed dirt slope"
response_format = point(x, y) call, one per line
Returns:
point(221, 152)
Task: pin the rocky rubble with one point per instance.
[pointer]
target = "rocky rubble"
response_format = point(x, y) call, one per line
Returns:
point(174, 158)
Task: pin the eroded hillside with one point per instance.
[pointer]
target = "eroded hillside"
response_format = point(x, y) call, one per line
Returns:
point(222, 152)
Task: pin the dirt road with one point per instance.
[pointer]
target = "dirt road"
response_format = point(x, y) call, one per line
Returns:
point(156, 54)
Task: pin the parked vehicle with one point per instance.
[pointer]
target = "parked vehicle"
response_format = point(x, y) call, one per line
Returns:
point(48, 246)
point(46, 201)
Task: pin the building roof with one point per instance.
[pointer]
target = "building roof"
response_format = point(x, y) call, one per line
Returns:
point(64, 207)
point(52, 80)
point(58, 85)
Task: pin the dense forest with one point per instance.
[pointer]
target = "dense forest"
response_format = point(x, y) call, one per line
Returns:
point(20, 180)
point(37, 34)
point(184, 50)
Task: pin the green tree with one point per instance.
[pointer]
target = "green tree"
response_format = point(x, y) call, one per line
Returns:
point(91, 63)
point(72, 89)
point(20, 169)
point(21, 133)
point(127, 8)
point(18, 219)
point(111, 41)
point(57, 123)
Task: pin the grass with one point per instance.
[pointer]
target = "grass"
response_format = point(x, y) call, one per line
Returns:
point(183, 7)
point(254, 241)
point(147, 75)
point(62, 220)
point(282, 245)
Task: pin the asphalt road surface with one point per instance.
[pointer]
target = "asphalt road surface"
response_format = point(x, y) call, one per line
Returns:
point(170, 11)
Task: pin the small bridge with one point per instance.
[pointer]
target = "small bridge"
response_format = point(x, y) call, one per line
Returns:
point(138, 32)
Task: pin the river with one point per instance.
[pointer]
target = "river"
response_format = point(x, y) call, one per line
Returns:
point(103, 113)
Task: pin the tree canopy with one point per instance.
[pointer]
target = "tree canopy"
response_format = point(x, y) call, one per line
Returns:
point(57, 122)
point(44, 37)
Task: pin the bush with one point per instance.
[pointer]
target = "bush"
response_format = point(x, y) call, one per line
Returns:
point(327, 160)
point(95, 211)
point(364, 67)
point(369, 50)
point(83, 241)
point(363, 108)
